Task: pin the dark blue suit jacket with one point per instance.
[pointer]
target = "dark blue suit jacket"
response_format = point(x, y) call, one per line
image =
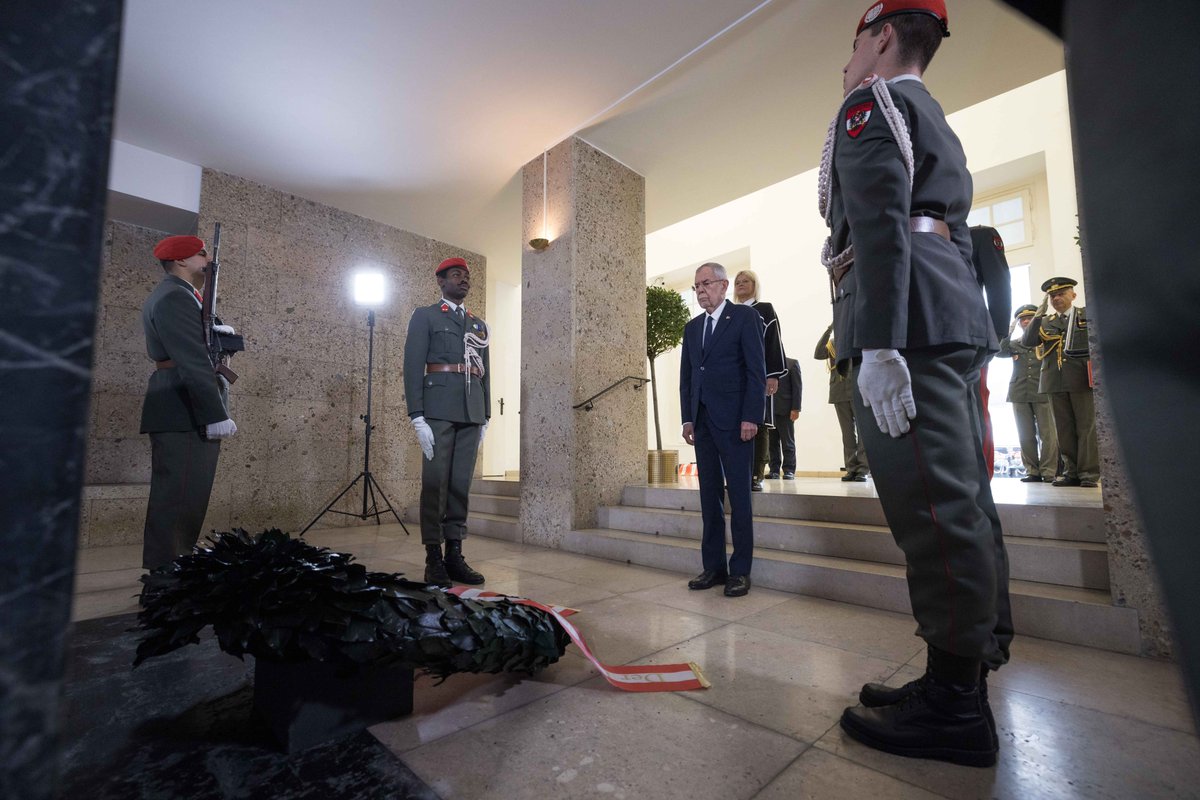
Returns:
point(730, 379)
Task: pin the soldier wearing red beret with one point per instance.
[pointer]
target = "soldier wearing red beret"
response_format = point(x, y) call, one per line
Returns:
point(448, 391)
point(910, 315)
point(186, 408)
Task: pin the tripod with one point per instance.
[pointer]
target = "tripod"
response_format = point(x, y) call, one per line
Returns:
point(370, 485)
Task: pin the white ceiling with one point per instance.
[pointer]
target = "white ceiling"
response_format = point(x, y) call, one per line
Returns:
point(419, 113)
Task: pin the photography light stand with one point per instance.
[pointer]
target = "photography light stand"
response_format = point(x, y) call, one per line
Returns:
point(370, 485)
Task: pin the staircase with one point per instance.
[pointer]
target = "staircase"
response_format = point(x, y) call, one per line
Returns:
point(840, 548)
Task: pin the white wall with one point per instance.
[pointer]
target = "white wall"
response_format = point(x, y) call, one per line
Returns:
point(784, 232)
point(152, 176)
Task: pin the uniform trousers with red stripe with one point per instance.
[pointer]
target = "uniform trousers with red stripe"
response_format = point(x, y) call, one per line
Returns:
point(935, 489)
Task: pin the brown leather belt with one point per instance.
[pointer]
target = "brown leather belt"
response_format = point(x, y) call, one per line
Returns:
point(168, 364)
point(458, 368)
point(929, 225)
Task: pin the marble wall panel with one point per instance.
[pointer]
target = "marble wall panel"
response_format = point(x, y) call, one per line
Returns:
point(230, 199)
point(130, 270)
point(114, 521)
point(58, 71)
point(124, 459)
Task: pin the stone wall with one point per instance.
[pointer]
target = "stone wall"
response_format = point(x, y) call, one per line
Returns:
point(285, 286)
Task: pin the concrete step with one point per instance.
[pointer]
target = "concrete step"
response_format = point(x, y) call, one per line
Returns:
point(496, 486)
point(504, 505)
point(1059, 613)
point(1053, 561)
point(1070, 523)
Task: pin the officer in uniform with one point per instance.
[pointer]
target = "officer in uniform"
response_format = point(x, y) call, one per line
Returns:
point(1035, 420)
point(448, 391)
point(895, 191)
point(841, 389)
point(186, 407)
point(1061, 342)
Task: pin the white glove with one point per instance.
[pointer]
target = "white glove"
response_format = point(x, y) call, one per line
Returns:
point(886, 388)
point(424, 436)
point(220, 430)
point(1013, 326)
point(1041, 311)
point(482, 431)
point(226, 330)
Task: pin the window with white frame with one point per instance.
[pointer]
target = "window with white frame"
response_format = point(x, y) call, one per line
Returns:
point(1009, 213)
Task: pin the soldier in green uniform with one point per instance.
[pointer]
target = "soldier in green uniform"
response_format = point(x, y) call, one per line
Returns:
point(1061, 342)
point(448, 391)
point(841, 391)
point(1035, 420)
point(186, 407)
point(909, 312)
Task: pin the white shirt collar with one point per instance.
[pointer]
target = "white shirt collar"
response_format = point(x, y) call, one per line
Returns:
point(908, 76)
point(716, 314)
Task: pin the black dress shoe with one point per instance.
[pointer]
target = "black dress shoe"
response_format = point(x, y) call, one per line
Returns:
point(847, 478)
point(1088, 484)
point(1032, 479)
point(859, 479)
point(774, 476)
point(1064, 481)
point(756, 485)
point(737, 585)
point(707, 580)
point(941, 721)
point(789, 476)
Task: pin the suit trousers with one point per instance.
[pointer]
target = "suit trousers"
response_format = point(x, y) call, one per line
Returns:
point(183, 465)
point(446, 480)
point(1039, 440)
point(783, 443)
point(1075, 422)
point(723, 461)
point(936, 494)
point(853, 453)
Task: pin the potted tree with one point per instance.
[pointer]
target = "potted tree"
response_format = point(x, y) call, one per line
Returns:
point(666, 314)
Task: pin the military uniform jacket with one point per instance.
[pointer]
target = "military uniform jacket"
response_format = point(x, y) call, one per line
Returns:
point(435, 336)
point(905, 289)
point(841, 386)
point(991, 268)
point(190, 395)
point(791, 389)
point(1063, 369)
point(1023, 386)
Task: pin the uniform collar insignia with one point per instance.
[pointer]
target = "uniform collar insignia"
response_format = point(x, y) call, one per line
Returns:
point(445, 308)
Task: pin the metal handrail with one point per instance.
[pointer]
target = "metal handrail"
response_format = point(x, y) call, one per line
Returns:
point(587, 405)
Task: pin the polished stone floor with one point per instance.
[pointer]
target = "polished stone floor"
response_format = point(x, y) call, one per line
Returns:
point(1073, 722)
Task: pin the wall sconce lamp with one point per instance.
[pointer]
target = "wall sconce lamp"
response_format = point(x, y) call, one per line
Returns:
point(540, 243)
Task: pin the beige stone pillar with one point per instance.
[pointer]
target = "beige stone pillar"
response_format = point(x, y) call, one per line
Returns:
point(583, 327)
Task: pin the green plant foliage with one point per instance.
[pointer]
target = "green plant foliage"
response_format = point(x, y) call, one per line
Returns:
point(283, 599)
point(666, 314)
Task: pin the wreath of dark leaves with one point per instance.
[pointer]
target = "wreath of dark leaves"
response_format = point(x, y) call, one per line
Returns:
point(279, 598)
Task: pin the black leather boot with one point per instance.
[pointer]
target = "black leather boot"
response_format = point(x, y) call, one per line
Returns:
point(457, 567)
point(942, 717)
point(876, 695)
point(435, 567)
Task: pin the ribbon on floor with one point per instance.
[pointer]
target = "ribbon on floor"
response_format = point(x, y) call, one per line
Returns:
point(642, 678)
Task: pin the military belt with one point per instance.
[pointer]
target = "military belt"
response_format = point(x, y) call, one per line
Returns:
point(929, 225)
point(458, 368)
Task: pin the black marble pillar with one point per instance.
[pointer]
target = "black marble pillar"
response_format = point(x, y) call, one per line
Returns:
point(58, 67)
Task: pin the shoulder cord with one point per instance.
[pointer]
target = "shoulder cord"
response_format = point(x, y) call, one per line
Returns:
point(472, 344)
point(895, 121)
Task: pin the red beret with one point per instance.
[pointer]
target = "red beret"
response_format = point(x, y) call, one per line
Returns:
point(452, 262)
point(176, 248)
point(889, 8)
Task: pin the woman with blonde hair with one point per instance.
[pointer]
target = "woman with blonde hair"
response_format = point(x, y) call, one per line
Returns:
point(745, 291)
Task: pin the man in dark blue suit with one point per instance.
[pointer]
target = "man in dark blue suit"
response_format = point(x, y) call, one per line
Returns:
point(722, 380)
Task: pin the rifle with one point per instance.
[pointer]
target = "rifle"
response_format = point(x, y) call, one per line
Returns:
point(220, 346)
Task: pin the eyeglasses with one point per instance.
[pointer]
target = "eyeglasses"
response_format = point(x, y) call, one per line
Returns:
point(705, 284)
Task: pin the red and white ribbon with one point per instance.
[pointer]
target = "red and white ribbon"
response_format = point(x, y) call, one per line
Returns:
point(643, 678)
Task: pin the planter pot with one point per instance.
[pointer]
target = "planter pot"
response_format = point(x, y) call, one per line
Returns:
point(662, 466)
point(309, 702)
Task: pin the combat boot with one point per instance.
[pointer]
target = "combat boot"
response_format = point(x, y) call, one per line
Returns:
point(457, 567)
point(942, 717)
point(875, 695)
point(435, 567)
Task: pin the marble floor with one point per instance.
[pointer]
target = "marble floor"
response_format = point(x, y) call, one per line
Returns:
point(1072, 721)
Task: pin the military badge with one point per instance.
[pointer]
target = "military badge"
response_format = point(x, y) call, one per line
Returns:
point(857, 116)
point(445, 308)
point(872, 13)
point(998, 242)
